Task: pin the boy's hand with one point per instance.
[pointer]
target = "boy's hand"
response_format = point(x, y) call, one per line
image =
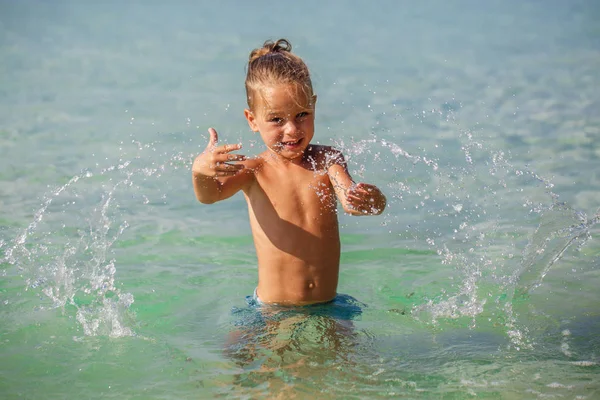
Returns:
point(365, 199)
point(214, 161)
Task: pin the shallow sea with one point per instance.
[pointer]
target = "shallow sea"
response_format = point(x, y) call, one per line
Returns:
point(479, 120)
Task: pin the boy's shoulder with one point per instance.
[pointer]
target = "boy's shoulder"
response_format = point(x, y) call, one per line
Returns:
point(325, 156)
point(253, 163)
point(320, 148)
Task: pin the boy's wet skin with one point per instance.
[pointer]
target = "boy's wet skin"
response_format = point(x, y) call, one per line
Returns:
point(295, 231)
point(291, 188)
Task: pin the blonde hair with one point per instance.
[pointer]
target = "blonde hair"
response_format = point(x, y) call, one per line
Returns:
point(274, 63)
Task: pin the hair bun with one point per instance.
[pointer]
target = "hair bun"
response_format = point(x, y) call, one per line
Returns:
point(274, 63)
point(280, 46)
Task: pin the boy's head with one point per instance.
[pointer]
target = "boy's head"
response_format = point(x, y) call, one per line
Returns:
point(280, 99)
point(274, 64)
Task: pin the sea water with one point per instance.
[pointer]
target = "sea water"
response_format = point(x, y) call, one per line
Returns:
point(479, 120)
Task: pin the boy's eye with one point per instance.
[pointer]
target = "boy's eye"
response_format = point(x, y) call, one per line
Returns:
point(302, 114)
point(276, 120)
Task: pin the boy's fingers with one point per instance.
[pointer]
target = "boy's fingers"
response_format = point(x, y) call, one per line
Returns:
point(214, 137)
point(359, 207)
point(226, 173)
point(230, 157)
point(222, 167)
point(363, 200)
point(213, 141)
point(355, 200)
point(356, 191)
point(366, 187)
point(226, 148)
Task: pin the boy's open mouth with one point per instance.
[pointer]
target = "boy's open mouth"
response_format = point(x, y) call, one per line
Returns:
point(291, 144)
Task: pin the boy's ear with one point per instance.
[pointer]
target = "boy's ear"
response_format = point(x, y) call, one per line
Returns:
point(314, 100)
point(251, 120)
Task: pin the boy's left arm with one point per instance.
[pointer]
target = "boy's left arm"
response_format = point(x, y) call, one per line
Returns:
point(356, 198)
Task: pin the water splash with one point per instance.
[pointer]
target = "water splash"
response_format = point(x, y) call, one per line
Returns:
point(560, 228)
point(500, 225)
point(73, 268)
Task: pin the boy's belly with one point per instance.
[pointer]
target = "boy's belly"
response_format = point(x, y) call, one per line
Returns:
point(298, 257)
point(292, 281)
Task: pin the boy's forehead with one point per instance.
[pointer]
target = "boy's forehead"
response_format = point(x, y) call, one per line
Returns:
point(282, 98)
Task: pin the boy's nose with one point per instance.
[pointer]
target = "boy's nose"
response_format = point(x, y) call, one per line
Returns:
point(292, 128)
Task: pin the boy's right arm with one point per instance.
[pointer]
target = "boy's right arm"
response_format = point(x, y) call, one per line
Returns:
point(213, 176)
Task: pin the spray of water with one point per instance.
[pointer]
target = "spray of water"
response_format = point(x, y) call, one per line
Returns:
point(73, 269)
point(560, 228)
point(479, 215)
point(76, 271)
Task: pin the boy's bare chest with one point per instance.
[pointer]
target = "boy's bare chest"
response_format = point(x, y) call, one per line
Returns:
point(298, 188)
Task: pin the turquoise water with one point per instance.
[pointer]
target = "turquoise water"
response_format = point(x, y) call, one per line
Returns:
point(479, 120)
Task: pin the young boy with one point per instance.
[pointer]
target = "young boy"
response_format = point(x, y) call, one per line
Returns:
point(291, 188)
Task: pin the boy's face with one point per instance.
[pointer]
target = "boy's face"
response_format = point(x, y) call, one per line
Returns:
point(285, 117)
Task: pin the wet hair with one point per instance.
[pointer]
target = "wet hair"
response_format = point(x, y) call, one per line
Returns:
point(274, 63)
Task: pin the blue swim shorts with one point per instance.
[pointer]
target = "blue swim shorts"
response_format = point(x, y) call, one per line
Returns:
point(343, 307)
